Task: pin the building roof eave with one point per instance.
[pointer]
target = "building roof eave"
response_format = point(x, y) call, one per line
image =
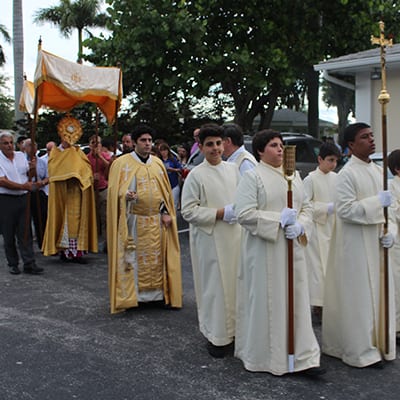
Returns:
point(361, 61)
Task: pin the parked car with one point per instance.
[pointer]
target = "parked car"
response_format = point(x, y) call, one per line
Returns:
point(307, 150)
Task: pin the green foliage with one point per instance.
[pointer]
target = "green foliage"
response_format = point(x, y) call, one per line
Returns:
point(6, 106)
point(6, 36)
point(259, 54)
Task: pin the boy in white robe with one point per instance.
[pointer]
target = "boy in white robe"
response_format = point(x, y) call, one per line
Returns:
point(353, 319)
point(206, 204)
point(320, 188)
point(394, 219)
point(262, 323)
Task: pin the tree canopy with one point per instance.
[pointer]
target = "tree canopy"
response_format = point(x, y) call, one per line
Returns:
point(6, 106)
point(257, 54)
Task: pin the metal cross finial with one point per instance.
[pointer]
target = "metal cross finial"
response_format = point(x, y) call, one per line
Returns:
point(384, 96)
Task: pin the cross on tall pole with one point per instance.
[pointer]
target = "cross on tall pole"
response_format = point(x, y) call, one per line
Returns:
point(384, 98)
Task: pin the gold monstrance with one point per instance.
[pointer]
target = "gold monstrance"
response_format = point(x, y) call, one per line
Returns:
point(384, 99)
point(289, 171)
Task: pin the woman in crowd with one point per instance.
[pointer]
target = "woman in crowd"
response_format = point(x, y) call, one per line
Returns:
point(173, 167)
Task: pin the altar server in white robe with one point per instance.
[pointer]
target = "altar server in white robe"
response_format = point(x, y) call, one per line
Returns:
point(207, 204)
point(320, 187)
point(394, 214)
point(261, 340)
point(353, 317)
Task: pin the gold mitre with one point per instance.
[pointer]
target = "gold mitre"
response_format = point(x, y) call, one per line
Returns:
point(69, 129)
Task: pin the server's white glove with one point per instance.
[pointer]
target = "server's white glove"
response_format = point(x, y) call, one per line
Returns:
point(331, 208)
point(387, 240)
point(288, 216)
point(293, 231)
point(229, 214)
point(385, 197)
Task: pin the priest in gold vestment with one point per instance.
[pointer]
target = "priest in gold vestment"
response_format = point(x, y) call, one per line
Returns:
point(142, 235)
point(71, 228)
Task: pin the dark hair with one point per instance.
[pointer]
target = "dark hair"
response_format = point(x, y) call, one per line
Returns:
point(350, 133)
point(394, 161)
point(261, 139)
point(164, 146)
point(21, 139)
point(108, 142)
point(234, 132)
point(141, 130)
point(126, 134)
point(210, 130)
point(95, 137)
point(186, 147)
point(329, 149)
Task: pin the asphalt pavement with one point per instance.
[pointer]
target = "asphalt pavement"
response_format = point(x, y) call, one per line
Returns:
point(59, 341)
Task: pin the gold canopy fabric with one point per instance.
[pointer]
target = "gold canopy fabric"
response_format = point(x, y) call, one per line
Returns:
point(26, 98)
point(61, 85)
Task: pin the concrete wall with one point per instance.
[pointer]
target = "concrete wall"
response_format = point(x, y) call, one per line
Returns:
point(368, 108)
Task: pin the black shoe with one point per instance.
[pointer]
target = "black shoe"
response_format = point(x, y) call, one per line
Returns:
point(377, 365)
point(216, 351)
point(78, 260)
point(14, 270)
point(398, 339)
point(33, 269)
point(313, 372)
point(63, 258)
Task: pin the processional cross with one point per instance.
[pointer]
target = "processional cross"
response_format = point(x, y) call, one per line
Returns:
point(384, 98)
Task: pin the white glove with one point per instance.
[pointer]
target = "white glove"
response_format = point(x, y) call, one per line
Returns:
point(387, 240)
point(293, 231)
point(229, 214)
point(288, 216)
point(385, 197)
point(331, 208)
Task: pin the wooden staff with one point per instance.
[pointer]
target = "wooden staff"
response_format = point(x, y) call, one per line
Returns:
point(117, 104)
point(289, 170)
point(33, 126)
point(384, 99)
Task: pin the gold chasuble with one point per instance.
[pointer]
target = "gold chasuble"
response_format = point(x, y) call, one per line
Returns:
point(71, 209)
point(143, 255)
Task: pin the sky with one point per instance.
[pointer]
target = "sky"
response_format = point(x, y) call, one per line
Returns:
point(54, 42)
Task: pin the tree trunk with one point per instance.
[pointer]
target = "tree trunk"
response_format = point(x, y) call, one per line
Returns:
point(266, 116)
point(312, 78)
point(343, 111)
point(18, 48)
point(80, 46)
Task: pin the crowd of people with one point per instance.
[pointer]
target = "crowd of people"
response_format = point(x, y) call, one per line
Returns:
point(250, 220)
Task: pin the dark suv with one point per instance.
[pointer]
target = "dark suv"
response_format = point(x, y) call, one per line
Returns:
point(307, 149)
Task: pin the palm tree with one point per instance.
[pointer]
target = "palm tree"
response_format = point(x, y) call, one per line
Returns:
point(69, 15)
point(7, 38)
point(18, 51)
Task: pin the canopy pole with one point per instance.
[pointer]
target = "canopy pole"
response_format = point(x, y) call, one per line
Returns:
point(117, 104)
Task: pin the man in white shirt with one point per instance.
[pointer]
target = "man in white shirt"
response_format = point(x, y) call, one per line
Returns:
point(14, 188)
point(234, 150)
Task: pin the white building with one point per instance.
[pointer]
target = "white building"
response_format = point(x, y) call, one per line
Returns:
point(365, 66)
